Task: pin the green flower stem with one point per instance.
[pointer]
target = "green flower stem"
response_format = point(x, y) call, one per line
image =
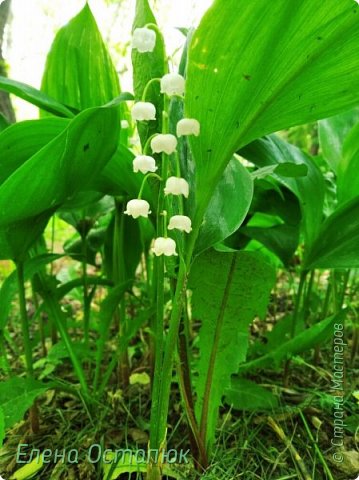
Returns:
point(158, 327)
point(41, 321)
point(298, 298)
point(322, 316)
point(179, 174)
point(308, 294)
point(24, 319)
point(144, 181)
point(148, 143)
point(119, 277)
point(3, 354)
point(57, 316)
point(34, 414)
point(86, 298)
point(145, 91)
point(155, 28)
point(161, 390)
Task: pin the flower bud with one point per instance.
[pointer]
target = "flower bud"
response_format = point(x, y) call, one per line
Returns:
point(144, 40)
point(180, 222)
point(142, 111)
point(176, 186)
point(188, 126)
point(164, 246)
point(165, 143)
point(144, 164)
point(138, 208)
point(173, 84)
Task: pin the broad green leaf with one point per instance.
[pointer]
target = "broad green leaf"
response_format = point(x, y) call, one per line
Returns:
point(252, 72)
point(16, 238)
point(281, 333)
point(286, 169)
point(280, 239)
point(246, 395)
point(17, 395)
point(348, 168)
point(79, 71)
point(64, 166)
point(22, 140)
point(118, 179)
point(9, 287)
point(309, 338)
point(272, 200)
point(147, 66)
point(309, 189)
point(235, 187)
point(228, 206)
point(332, 133)
point(229, 290)
point(337, 245)
point(34, 96)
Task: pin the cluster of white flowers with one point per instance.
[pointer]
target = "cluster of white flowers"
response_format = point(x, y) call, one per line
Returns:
point(172, 84)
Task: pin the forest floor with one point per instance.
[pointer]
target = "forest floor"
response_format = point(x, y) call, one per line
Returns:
point(294, 441)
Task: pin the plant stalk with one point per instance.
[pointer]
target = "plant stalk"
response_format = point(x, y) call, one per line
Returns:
point(34, 415)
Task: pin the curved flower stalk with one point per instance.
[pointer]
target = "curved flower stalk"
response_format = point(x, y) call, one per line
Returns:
point(173, 188)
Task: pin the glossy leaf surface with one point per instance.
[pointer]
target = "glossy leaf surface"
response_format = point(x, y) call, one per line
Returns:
point(309, 189)
point(337, 245)
point(228, 291)
point(252, 72)
point(79, 71)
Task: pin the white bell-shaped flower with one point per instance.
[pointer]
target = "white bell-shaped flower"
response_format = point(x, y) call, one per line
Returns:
point(176, 186)
point(144, 40)
point(143, 111)
point(188, 126)
point(144, 164)
point(180, 222)
point(164, 143)
point(173, 84)
point(164, 246)
point(138, 208)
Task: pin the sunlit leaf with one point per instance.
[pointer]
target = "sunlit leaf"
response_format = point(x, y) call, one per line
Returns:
point(252, 72)
point(332, 132)
point(34, 96)
point(79, 71)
